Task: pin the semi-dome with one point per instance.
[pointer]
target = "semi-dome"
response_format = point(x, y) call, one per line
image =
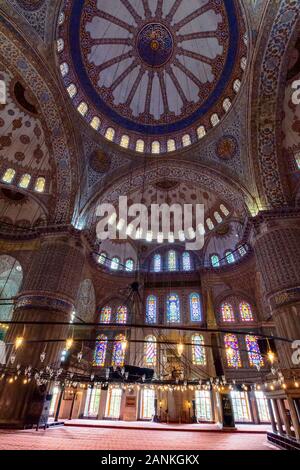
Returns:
point(152, 76)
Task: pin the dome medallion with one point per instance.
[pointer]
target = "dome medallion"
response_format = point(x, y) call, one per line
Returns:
point(152, 76)
point(155, 44)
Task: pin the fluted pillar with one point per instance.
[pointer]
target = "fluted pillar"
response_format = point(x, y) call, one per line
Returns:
point(48, 295)
point(276, 244)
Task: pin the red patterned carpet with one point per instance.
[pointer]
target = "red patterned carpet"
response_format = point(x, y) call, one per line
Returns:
point(67, 438)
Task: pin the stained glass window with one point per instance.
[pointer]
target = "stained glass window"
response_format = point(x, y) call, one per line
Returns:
point(229, 257)
point(173, 309)
point(186, 261)
point(246, 312)
point(195, 307)
point(100, 351)
point(198, 350)
point(172, 260)
point(151, 309)
point(150, 351)
point(157, 263)
point(215, 261)
point(118, 356)
point(121, 314)
point(105, 315)
point(232, 351)
point(115, 264)
point(129, 265)
point(227, 312)
point(255, 357)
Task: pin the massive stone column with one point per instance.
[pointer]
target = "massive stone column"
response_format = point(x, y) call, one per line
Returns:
point(276, 242)
point(48, 295)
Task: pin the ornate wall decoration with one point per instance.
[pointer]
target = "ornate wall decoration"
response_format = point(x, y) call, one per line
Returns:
point(34, 11)
point(99, 161)
point(227, 147)
point(139, 68)
point(85, 304)
point(267, 94)
point(15, 53)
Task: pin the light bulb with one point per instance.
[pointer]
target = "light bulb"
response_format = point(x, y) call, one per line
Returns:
point(69, 343)
point(271, 356)
point(19, 341)
point(180, 349)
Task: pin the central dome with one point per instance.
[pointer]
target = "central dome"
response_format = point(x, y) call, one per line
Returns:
point(155, 44)
point(152, 69)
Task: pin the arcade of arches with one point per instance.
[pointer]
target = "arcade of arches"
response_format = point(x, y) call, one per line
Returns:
point(164, 102)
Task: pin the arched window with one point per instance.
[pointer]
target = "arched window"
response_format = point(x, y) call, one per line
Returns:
point(124, 141)
point(198, 350)
point(95, 123)
point(227, 312)
point(115, 263)
point(151, 309)
point(171, 145)
point(246, 312)
point(102, 258)
point(9, 175)
point(218, 217)
point(226, 104)
point(201, 132)
point(129, 265)
point(100, 351)
point(186, 261)
point(155, 147)
point(172, 264)
point(224, 210)
point(110, 133)
point(118, 355)
point(254, 355)
point(237, 85)
point(105, 315)
point(215, 261)
point(232, 351)
point(243, 63)
point(40, 184)
point(72, 90)
point(195, 307)
point(157, 263)
point(82, 108)
point(229, 257)
point(24, 181)
point(64, 69)
point(121, 314)
point(140, 145)
point(186, 140)
point(214, 119)
point(150, 351)
point(173, 309)
point(210, 224)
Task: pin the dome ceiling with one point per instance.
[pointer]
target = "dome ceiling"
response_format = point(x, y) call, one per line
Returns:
point(142, 73)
